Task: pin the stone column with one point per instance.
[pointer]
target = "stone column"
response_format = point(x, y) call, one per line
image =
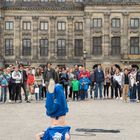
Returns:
point(106, 49)
point(17, 39)
point(124, 44)
point(35, 49)
point(70, 49)
point(87, 34)
point(1, 31)
point(52, 46)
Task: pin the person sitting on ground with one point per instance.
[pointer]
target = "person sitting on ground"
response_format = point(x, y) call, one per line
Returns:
point(56, 109)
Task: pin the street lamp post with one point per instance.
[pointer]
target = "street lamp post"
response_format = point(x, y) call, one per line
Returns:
point(84, 57)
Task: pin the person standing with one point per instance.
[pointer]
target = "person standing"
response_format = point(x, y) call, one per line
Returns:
point(38, 84)
point(76, 71)
point(75, 88)
point(118, 81)
point(24, 82)
point(107, 83)
point(8, 77)
point(16, 76)
point(49, 73)
point(112, 72)
point(64, 80)
point(92, 79)
point(71, 77)
point(30, 84)
point(138, 84)
point(125, 84)
point(84, 85)
point(4, 85)
point(133, 86)
point(99, 80)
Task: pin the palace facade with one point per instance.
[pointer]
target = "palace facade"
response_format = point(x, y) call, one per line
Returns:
point(59, 31)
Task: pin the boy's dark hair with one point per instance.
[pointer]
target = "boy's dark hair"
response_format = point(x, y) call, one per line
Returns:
point(75, 77)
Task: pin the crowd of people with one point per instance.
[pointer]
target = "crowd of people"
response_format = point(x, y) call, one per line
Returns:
point(78, 82)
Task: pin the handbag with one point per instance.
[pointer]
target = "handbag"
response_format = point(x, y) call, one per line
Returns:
point(36, 89)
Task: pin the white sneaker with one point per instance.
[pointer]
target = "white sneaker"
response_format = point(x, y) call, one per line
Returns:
point(121, 98)
point(9, 101)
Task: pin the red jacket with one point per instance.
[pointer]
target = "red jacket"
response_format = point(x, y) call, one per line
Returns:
point(85, 73)
point(30, 79)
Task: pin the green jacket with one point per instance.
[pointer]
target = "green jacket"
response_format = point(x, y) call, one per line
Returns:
point(75, 85)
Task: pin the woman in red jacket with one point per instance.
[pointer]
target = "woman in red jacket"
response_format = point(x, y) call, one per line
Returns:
point(30, 83)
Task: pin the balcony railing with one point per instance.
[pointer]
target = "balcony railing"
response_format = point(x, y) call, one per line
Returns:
point(131, 56)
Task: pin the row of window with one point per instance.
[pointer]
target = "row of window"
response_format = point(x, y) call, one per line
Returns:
point(116, 22)
point(61, 46)
point(61, 25)
point(44, 0)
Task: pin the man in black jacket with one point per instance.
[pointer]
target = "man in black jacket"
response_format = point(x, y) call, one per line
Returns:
point(98, 81)
point(23, 82)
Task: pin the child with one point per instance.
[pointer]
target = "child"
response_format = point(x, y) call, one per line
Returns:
point(84, 85)
point(75, 88)
point(4, 85)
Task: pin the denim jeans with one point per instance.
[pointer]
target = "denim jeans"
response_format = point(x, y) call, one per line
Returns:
point(100, 87)
point(138, 86)
point(3, 94)
point(83, 94)
point(39, 95)
point(133, 92)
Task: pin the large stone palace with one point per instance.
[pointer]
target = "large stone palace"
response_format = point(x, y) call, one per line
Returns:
point(70, 31)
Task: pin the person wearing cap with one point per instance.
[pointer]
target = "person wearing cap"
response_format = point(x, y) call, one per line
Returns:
point(56, 109)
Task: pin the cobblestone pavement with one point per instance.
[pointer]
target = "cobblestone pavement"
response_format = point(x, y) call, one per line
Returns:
point(23, 121)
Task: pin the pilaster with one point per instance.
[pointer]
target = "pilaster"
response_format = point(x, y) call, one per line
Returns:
point(52, 46)
point(70, 49)
point(125, 46)
point(35, 48)
point(106, 48)
point(17, 38)
point(87, 34)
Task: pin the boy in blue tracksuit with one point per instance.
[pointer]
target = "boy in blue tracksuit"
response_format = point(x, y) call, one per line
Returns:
point(56, 109)
point(84, 85)
point(4, 85)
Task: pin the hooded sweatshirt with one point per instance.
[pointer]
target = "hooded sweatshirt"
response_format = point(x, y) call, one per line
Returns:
point(56, 105)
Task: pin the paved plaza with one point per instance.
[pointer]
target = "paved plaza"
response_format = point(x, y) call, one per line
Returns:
point(23, 121)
